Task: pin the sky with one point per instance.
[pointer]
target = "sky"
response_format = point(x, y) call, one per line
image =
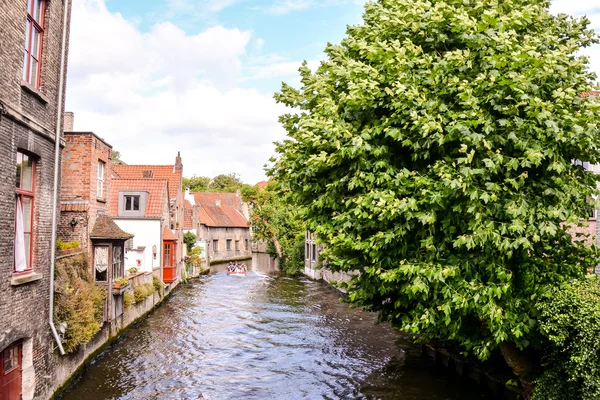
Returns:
point(198, 76)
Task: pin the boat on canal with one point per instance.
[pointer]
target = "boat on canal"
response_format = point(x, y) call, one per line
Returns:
point(236, 273)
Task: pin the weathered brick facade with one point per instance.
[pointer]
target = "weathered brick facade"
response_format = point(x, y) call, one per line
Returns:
point(80, 203)
point(28, 119)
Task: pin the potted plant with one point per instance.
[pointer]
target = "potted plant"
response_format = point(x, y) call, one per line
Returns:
point(132, 270)
point(119, 285)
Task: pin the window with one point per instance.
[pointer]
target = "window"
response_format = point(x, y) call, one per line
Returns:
point(34, 32)
point(167, 259)
point(100, 263)
point(314, 252)
point(246, 240)
point(118, 270)
point(25, 185)
point(228, 244)
point(237, 245)
point(215, 245)
point(132, 203)
point(100, 187)
point(307, 251)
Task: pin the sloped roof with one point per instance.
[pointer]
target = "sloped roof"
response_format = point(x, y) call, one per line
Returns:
point(188, 212)
point(157, 194)
point(590, 93)
point(65, 206)
point(262, 185)
point(221, 216)
point(105, 228)
point(167, 172)
point(211, 198)
point(167, 234)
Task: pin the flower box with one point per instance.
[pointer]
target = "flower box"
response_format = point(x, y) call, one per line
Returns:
point(119, 289)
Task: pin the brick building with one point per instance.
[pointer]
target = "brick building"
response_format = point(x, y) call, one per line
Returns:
point(32, 68)
point(221, 222)
point(173, 174)
point(85, 185)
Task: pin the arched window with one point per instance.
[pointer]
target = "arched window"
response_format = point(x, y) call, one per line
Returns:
point(34, 33)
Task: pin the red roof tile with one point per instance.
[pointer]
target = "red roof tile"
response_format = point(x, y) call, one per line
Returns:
point(188, 212)
point(225, 199)
point(262, 185)
point(157, 194)
point(167, 172)
point(167, 234)
point(590, 93)
point(221, 216)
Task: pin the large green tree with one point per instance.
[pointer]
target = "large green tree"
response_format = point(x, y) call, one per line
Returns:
point(433, 151)
point(278, 224)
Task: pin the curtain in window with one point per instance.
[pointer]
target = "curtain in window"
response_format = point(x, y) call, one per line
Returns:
point(20, 256)
point(101, 258)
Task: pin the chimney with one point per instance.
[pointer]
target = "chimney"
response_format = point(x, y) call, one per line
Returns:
point(68, 120)
point(178, 164)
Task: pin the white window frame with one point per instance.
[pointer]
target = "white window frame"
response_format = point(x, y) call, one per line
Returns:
point(100, 186)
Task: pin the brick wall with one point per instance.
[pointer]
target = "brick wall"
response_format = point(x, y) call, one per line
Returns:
point(78, 190)
point(28, 123)
point(222, 235)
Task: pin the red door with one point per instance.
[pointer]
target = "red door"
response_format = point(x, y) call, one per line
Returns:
point(10, 376)
point(169, 267)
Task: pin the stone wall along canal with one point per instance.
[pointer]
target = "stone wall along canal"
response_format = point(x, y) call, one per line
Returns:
point(263, 337)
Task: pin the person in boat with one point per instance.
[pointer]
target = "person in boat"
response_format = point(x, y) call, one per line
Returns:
point(243, 268)
point(230, 267)
point(236, 267)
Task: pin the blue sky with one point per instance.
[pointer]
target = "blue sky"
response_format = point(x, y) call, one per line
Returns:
point(198, 76)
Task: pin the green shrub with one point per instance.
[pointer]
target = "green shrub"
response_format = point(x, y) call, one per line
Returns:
point(570, 320)
point(140, 293)
point(121, 281)
point(149, 289)
point(159, 286)
point(60, 245)
point(132, 270)
point(78, 302)
point(128, 300)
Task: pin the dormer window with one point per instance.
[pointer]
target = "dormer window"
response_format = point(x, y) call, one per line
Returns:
point(132, 204)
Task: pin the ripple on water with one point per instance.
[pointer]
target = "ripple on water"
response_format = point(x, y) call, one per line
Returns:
point(262, 338)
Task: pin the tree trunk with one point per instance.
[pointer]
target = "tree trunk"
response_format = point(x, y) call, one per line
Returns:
point(522, 363)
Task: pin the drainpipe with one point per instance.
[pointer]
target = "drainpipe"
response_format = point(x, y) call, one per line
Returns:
point(57, 137)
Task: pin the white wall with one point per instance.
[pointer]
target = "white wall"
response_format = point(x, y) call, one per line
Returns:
point(147, 233)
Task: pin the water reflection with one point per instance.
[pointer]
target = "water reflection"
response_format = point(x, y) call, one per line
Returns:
point(262, 337)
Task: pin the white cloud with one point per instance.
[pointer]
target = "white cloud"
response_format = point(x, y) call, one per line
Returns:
point(153, 94)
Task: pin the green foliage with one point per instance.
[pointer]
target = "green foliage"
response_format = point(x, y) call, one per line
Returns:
point(227, 183)
point(60, 245)
point(570, 321)
point(434, 146)
point(143, 290)
point(189, 239)
point(280, 225)
point(132, 270)
point(78, 302)
point(196, 183)
point(128, 300)
point(115, 157)
point(159, 286)
point(121, 281)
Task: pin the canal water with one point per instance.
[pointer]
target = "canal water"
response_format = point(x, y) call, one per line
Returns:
point(263, 337)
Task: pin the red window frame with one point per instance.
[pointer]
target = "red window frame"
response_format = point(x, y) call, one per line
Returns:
point(34, 28)
point(27, 225)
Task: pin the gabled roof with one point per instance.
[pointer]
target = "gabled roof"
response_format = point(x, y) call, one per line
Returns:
point(188, 212)
point(167, 234)
point(221, 216)
point(168, 172)
point(157, 194)
point(105, 228)
point(225, 199)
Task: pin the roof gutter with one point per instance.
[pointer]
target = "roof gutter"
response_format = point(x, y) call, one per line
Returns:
point(57, 137)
